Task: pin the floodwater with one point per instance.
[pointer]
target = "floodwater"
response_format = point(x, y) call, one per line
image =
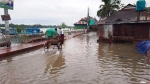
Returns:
point(81, 61)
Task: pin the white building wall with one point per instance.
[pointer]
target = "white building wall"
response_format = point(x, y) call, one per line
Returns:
point(107, 28)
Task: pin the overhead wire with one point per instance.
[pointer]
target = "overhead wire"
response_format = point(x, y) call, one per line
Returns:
point(60, 8)
point(63, 8)
point(68, 8)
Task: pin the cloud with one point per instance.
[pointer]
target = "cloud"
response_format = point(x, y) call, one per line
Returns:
point(54, 12)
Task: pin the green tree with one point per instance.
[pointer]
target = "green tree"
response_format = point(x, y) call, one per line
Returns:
point(22, 38)
point(109, 8)
point(20, 28)
point(11, 25)
point(63, 25)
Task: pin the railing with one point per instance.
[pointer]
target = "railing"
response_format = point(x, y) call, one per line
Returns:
point(7, 40)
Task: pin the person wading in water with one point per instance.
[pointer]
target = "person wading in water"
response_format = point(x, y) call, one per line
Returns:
point(109, 38)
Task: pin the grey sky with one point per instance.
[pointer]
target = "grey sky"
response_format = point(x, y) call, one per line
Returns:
point(54, 12)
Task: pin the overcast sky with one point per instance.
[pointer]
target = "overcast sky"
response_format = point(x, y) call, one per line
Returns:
point(54, 12)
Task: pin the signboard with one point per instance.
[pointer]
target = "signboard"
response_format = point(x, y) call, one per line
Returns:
point(8, 4)
point(5, 17)
point(92, 22)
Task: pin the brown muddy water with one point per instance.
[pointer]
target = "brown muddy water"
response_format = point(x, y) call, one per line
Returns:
point(81, 61)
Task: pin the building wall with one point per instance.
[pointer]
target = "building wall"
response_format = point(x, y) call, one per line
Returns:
point(107, 29)
point(100, 31)
point(131, 32)
point(141, 31)
point(103, 31)
point(78, 26)
point(123, 30)
point(128, 32)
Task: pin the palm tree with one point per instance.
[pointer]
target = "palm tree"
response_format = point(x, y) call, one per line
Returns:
point(109, 8)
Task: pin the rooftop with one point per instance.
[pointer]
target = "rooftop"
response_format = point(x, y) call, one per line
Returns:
point(125, 15)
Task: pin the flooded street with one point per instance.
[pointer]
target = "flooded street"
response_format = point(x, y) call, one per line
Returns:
point(81, 61)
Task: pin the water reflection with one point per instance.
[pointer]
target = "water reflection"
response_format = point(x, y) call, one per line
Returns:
point(56, 66)
point(81, 61)
point(123, 62)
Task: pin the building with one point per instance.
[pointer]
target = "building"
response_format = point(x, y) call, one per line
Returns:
point(125, 26)
point(81, 24)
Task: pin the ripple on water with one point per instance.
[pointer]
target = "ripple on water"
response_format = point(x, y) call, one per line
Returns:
point(81, 61)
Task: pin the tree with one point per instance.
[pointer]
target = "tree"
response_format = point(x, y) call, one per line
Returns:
point(11, 25)
point(109, 8)
point(63, 25)
point(20, 28)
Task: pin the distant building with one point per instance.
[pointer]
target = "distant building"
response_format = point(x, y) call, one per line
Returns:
point(82, 23)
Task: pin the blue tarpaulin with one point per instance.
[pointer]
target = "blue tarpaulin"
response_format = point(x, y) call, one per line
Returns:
point(143, 47)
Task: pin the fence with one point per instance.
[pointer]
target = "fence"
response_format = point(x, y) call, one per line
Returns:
point(7, 40)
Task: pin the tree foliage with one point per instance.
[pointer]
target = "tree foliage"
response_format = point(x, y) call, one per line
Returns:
point(20, 28)
point(109, 7)
point(148, 9)
point(11, 25)
point(63, 25)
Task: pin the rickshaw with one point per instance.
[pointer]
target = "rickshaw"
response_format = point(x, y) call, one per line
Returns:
point(53, 39)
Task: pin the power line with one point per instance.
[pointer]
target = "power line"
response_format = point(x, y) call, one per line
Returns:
point(56, 7)
point(65, 6)
point(62, 8)
point(73, 15)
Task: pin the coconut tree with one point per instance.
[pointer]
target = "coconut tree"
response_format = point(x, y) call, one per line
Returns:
point(109, 8)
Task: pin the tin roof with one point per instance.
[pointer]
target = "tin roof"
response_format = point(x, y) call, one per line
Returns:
point(81, 22)
point(125, 15)
point(84, 20)
point(100, 22)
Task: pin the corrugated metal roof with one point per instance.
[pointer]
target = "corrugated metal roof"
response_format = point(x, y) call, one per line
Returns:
point(81, 22)
point(100, 22)
point(125, 15)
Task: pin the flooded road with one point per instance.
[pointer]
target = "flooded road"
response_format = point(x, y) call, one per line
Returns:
point(81, 61)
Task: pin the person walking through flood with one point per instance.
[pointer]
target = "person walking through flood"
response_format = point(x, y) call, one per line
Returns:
point(60, 31)
point(85, 30)
point(110, 37)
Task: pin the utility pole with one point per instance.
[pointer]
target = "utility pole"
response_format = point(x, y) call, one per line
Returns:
point(88, 19)
point(6, 22)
